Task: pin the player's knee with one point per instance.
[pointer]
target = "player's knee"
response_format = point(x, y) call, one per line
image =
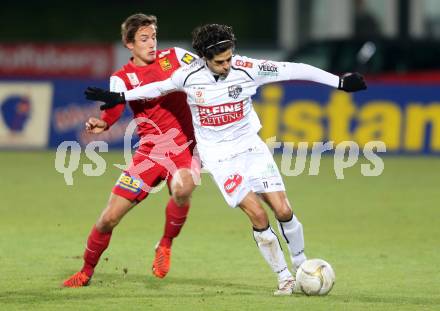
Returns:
point(182, 196)
point(182, 192)
point(260, 218)
point(107, 222)
point(283, 212)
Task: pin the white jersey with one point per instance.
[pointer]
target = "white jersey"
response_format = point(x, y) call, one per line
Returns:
point(222, 111)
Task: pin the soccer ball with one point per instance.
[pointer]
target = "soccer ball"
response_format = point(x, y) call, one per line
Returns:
point(315, 277)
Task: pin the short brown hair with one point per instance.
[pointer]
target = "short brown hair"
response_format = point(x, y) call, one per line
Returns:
point(131, 25)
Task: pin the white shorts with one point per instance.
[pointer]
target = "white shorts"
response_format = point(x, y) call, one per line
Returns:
point(251, 169)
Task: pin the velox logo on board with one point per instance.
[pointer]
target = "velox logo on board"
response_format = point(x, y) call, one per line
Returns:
point(220, 114)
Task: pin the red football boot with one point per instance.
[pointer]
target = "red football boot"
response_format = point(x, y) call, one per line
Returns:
point(162, 261)
point(79, 279)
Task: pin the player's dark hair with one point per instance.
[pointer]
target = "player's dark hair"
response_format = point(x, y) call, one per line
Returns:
point(212, 39)
point(131, 25)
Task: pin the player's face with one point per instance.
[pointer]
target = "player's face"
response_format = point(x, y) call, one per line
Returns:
point(221, 63)
point(144, 46)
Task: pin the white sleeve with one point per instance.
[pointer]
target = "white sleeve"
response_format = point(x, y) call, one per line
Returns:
point(117, 84)
point(185, 57)
point(266, 71)
point(298, 71)
point(151, 90)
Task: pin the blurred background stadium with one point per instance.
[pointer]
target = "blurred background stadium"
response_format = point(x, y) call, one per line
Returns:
point(50, 51)
point(381, 233)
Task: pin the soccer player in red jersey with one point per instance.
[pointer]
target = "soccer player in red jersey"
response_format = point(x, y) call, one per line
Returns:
point(165, 151)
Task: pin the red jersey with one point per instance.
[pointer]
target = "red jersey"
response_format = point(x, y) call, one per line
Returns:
point(164, 113)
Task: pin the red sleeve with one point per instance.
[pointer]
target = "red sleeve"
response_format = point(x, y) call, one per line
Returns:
point(113, 114)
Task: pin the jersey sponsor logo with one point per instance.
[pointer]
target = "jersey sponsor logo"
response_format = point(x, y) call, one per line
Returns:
point(129, 183)
point(235, 90)
point(132, 77)
point(241, 63)
point(220, 114)
point(232, 183)
point(268, 69)
point(165, 64)
point(188, 58)
point(199, 96)
point(164, 53)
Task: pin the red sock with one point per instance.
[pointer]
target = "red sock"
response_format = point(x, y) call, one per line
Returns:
point(96, 244)
point(175, 218)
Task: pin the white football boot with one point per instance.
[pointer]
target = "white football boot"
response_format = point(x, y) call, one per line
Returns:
point(285, 287)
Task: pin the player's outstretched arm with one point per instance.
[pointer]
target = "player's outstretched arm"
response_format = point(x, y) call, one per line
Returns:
point(148, 91)
point(348, 82)
point(151, 90)
point(265, 72)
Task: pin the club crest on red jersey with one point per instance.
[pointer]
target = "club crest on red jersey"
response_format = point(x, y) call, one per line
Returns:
point(165, 64)
point(232, 183)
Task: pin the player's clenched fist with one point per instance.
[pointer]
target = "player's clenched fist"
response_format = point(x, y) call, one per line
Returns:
point(95, 126)
point(352, 82)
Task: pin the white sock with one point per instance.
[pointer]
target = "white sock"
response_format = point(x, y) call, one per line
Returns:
point(270, 248)
point(292, 232)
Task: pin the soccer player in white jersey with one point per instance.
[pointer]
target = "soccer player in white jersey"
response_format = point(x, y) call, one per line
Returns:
point(219, 87)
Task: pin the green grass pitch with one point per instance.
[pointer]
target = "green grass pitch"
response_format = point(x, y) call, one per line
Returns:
point(381, 235)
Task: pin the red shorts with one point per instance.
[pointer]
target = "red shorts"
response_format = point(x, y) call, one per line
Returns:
point(146, 172)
